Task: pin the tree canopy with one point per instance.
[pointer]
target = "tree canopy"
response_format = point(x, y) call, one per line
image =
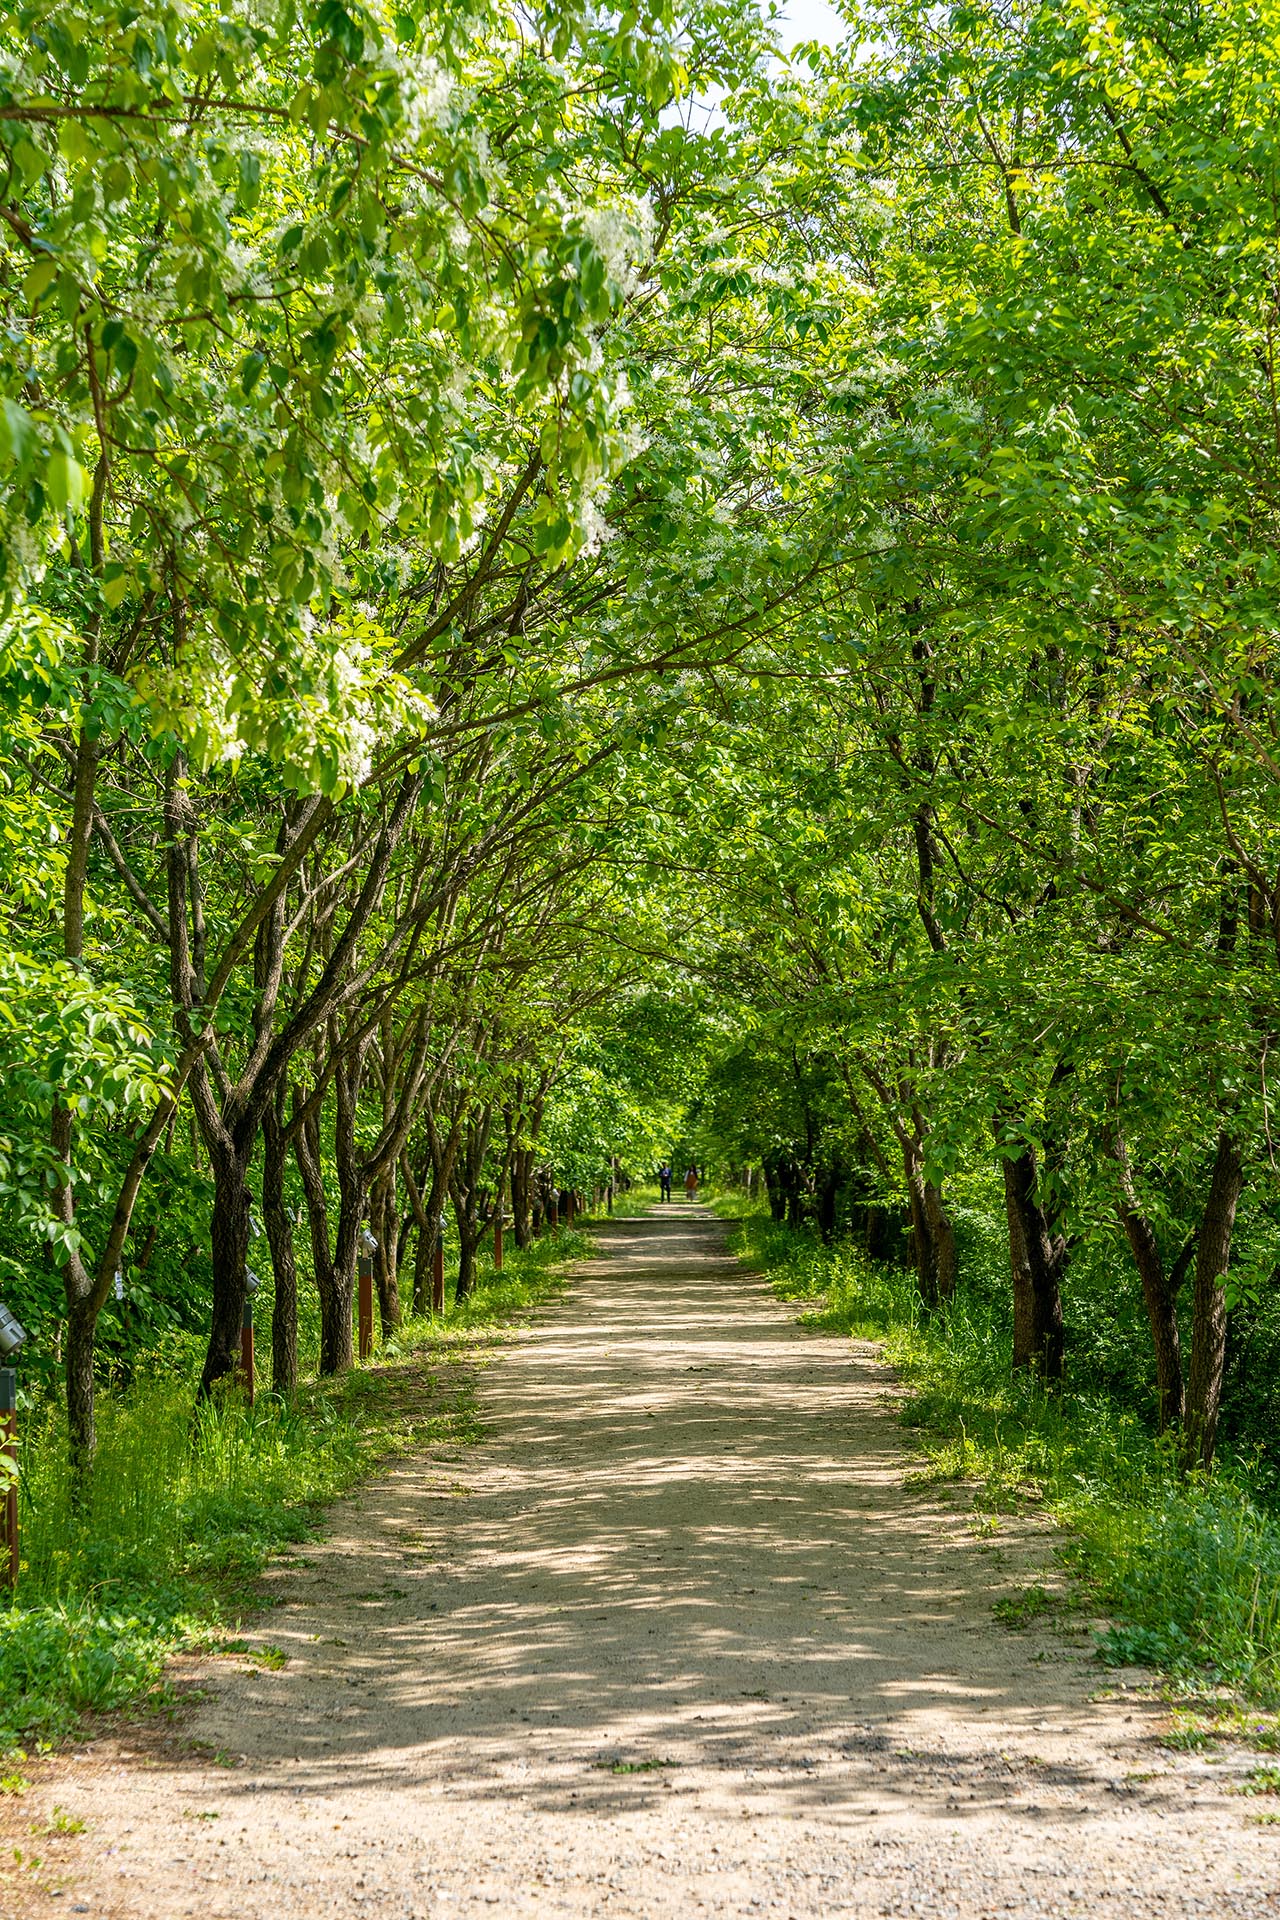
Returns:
point(536, 638)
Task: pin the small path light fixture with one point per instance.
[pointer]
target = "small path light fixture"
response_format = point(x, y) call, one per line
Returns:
point(367, 1246)
point(13, 1336)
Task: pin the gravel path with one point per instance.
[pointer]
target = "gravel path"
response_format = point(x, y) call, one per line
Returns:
point(677, 1640)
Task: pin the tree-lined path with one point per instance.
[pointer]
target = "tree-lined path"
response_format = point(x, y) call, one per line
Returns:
point(679, 1638)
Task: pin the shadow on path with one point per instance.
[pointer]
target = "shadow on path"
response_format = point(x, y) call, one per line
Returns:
point(679, 1601)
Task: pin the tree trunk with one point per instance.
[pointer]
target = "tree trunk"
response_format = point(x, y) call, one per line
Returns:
point(921, 1238)
point(522, 1196)
point(932, 1234)
point(1037, 1258)
point(337, 1353)
point(942, 1235)
point(385, 1272)
point(1162, 1314)
point(828, 1195)
point(229, 1242)
point(1209, 1311)
point(275, 1217)
point(82, 1322)
point(466, 1266)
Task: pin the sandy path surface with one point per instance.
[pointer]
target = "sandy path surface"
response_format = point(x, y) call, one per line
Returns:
point(676, 1641)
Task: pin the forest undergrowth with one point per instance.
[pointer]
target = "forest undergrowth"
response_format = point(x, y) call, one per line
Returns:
point(181, 1513)
point(1185, 1569)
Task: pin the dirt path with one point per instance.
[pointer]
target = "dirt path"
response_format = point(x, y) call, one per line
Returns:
point(677, 1640)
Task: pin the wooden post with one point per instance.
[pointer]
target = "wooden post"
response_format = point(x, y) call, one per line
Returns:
point(437, 1271)
point(497, 1241)
point(246, 1350)
point(9, 1449)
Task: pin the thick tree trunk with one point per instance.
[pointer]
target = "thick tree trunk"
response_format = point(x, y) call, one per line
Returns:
point(1037, 1259)
point(942, 1235)
point(337, 1350)
point(1209, 1311)
point(229, 1242)
point(284, 1309)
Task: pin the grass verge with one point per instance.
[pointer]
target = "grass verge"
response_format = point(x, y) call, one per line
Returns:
point(182, 1511)
point(1188, 1571)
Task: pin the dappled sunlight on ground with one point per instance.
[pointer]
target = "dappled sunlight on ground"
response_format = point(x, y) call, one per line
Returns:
point(677, 1637)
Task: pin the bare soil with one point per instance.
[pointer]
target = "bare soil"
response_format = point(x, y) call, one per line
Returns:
point(680, 1639)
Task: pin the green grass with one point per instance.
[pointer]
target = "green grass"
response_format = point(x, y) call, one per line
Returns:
point(183, 1509)
point(1187, 1570)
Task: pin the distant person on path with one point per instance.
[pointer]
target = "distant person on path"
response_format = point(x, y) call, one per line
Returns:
point(664, 1180)
point(691, 1184)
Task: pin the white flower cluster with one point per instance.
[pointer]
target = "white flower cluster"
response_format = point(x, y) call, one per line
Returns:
point(22, 556)
point(623, 236)
point(427, 90)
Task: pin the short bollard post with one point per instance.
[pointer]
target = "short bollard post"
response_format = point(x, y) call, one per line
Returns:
point(246, 1350)
point(9, 1453)
point(497, 1241)
point(364, 1289)
point(437, 1271)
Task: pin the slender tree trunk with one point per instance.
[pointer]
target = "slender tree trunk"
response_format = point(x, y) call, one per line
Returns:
point(932, 1234)
point(828, 1197)
point(82, 1322)
point(83, 1305)
point(337, 1352)
point(1162, 1315)
point(522, 1196)
point(385, 1270)
point(1209, 1310)
point(921, 1238)
point(284, 1310)
point(466, 1266)
point(424, 1243)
